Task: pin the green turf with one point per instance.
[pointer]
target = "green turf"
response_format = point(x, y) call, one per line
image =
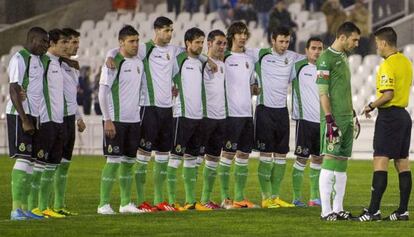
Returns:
point(83, 197)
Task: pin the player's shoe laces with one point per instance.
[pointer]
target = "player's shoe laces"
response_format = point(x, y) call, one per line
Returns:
point(50, 213)
point(281, 203)
point(298, 203)
point(314, 203)
point(17, 215)
point(227, 204)
point(330, 217)
point(163, 206)
point(106, 210)
point(66, 212)
point(33, 216)
point(244, 204)
point(396, 216)
point(146, 207)
point(366, 216)
point(212, 205)
point(130, 208)
point(268, 203)
point(344, 216)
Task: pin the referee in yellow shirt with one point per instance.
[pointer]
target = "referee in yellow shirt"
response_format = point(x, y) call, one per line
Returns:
point(392, 127)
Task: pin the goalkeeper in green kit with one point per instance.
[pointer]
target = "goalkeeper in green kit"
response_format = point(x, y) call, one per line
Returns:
point(337, 127)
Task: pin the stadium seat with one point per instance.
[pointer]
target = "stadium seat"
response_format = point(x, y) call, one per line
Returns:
point(15, 49)
point(126, 17)
point(102, 25)
point(111, 16)
point(140, 17)
point(311, 25)
point(161, 8)
point(183, 17)
point(302, 17)
point(354, 62)
point(198, 17)
point(212, 16)
point(294, 8)
point(409, 51)
point(371, 61)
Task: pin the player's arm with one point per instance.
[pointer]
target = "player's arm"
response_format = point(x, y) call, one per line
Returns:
point(17, 94)
point(202, 57)
point(104, 90)
point(79, 121)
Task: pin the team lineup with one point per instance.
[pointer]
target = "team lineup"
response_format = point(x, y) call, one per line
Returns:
point(191, 108)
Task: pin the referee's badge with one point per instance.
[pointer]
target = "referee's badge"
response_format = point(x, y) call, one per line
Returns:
point(22, 147)
point(286, 61)
point(168, 56)
point(247, 65)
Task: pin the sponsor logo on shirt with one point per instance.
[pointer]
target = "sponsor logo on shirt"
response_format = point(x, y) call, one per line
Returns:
point(127, 70)
point(233, 64)
point(189, 68)
point(323, 74)
point(308, 74)
point(55, 71)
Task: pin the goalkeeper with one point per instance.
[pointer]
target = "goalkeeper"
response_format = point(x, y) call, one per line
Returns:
point(334, 81)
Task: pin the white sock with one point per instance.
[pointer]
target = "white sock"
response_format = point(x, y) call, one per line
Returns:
point(339, 187)
point(326, 180)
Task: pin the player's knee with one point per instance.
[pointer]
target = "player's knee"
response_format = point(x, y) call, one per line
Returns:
point(402, 165)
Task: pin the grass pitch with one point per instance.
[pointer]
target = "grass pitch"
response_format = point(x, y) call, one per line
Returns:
point(83, 197)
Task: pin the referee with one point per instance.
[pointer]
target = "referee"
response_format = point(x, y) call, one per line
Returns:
point(392, 127)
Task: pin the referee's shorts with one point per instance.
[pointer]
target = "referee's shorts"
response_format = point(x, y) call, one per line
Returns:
point(392, 133)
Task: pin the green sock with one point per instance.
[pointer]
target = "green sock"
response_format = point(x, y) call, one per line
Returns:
point(264, 173)
point(297, 180)
point(27, 187)
point(140, 177)
point(223, 172)
point(209, 176)
point(189, 176)
point(108, 179)
point(160, 174)
point(125, 179)
point(278, 172)
point(315, 170)
point(33, 199)
point(18, 185)
point(61, 175)
point(46, 184)
point(240, 178)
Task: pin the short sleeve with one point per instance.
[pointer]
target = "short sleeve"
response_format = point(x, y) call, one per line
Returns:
point(323, 70)
point(386, 78)
point(16, 69)
point(107, 76)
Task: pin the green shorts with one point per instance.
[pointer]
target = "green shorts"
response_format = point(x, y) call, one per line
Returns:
point(342, 149)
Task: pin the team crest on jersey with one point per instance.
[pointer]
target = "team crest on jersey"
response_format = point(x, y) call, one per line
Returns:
point(247, 65)
point(286, 61)
point(22, 147)
point(41, 154)
point(299, 150)
point(178, 148)
point(110, 149)
point(330, 147)
point(168, 56)
point(228, 145)
point(116, 149)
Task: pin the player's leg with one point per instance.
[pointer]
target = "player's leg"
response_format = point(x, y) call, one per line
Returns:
point(126, 169)
point(263, 138)
point(163, 143)
point(280, 121)
point(113, 151)
point(142, 160)
point(244, 149)
point(53, 156)
point(302, 155)
point(314, 173)
point(61, 174)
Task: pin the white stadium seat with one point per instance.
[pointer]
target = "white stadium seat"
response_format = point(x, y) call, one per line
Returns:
point(409, 51)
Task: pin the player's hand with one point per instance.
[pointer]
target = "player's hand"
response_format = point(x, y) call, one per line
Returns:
point(81, 125)
point(174, 91)
point(22, 94)
point(212, 65)
point(28, 127)
point(109, 129)
point(333, 134)
point(255, 89)
point(110, 63)
point(357, 126)
point(367, 110)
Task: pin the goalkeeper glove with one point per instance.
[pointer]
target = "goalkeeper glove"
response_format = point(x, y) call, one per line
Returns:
point(333, 133)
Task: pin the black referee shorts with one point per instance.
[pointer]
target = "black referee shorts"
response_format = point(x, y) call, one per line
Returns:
point(392, 134)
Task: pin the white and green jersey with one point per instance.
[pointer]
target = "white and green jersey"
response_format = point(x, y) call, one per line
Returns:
point(239, 69)
point(188, 80)
point(70, 88)
point(27, 70)
point(305, 92)
point(274, 74)
point(213, 92)
point(52, 102)
point(125, 87)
